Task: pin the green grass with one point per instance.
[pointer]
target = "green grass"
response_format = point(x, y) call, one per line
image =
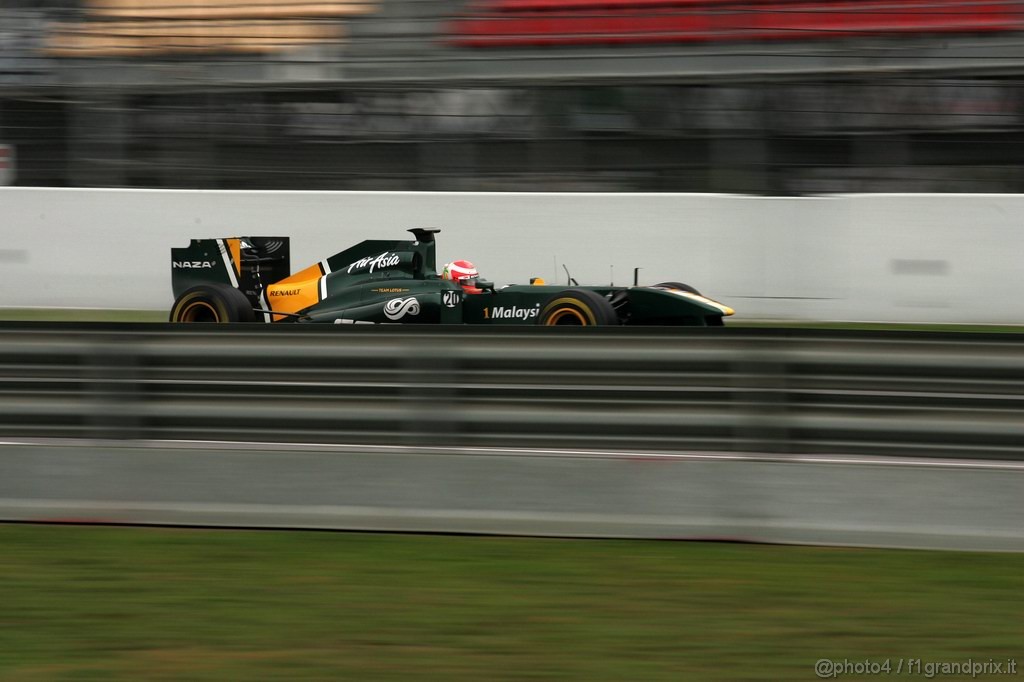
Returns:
point(81, 315)
point(81, 603)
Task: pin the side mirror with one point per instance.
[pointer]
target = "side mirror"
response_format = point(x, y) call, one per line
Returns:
point(485, 285)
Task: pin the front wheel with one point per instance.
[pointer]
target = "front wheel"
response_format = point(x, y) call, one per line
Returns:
point(577, 308)
point(678, 285)
point(212, 303)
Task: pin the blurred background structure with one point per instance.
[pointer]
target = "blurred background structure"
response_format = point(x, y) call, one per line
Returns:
point(778, 97)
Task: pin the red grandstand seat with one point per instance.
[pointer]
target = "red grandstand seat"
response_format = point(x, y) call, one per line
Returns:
point(520, 23)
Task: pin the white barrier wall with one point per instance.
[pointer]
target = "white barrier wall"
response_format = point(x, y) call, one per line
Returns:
point(888, 503)
point(921, 258)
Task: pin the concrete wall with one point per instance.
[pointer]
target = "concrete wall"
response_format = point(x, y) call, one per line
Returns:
point(881, 503)
point(923, 258)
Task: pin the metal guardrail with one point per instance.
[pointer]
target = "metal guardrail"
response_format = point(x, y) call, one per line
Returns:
point(777, 392)
point(764, 435)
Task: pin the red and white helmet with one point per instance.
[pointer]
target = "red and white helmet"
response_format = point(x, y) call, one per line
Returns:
point(461, 272)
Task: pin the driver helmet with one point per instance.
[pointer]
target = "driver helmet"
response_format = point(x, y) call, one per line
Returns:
point(462, 272)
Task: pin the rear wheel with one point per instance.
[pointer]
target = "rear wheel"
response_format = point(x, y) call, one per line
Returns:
point(678, 285)
point(578, 308)
point(212, 303)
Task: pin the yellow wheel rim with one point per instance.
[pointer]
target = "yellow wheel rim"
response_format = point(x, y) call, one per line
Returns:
point(569, 315)
point(197, 311)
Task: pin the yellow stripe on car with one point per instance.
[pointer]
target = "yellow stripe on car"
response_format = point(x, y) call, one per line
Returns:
point(726, 310)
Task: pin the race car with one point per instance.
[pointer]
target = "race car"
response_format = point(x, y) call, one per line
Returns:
point(247, 279)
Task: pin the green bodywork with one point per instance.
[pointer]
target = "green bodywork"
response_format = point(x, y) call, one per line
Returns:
point(521, 304)
point(407, 301)
point(396, 281)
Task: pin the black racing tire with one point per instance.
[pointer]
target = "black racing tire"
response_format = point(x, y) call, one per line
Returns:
point(680, 286)
point(577, 307)
point(212, 303)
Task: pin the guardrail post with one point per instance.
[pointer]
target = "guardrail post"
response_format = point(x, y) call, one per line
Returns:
point(113, 367)
point(431, 400)
point(762, 423)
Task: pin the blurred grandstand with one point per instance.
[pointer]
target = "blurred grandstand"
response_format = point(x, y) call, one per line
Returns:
point(758, 96)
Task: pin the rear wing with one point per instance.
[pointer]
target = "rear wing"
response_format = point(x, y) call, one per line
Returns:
point(247, 263)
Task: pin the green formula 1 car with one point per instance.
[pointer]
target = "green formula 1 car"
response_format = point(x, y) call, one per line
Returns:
point(247, 279)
